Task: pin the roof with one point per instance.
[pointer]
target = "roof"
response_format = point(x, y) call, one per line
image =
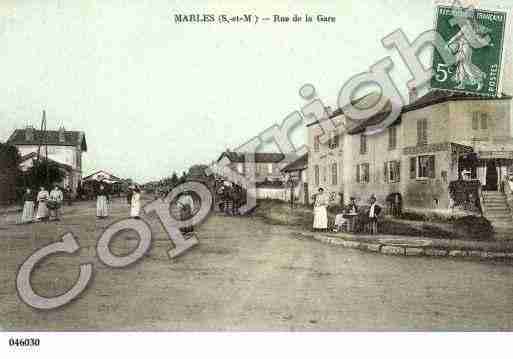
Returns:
point(300, 164)
point(34, 155)
point(431, 98)
point(372, 121)
point(260, 157)
point(363, 102)
point(71, 138)
point(111, 176)
point(439, 96)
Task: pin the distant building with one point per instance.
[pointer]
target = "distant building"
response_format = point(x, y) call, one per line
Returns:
point(434, 139)
point(64, 148)
point(267, 164)
point(297, 172)
point(269, 180)
point(116, 184)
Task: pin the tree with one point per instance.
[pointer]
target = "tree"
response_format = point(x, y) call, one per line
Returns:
point(174, 179)
point(10, 175)
point(43, 173)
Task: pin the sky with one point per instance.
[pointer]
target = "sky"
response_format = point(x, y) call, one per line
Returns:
point(154, 96)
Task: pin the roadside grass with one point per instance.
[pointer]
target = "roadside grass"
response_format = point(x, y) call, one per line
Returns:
point(433, 225)
point(277, 212)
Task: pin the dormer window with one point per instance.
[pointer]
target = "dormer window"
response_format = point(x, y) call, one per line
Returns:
point(62, 138)
point(29, 133)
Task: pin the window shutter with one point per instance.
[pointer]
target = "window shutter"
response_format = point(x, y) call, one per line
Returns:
point(413, 167)
point(385, 171)
point(475, 120)
point(432, 167)
point(424, 131)
point(392, 138)
point(484, 121)
point(419, 132)
point(357, 173)
point(398, 164)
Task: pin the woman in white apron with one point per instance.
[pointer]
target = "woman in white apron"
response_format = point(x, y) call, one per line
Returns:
point(136, 203)
point(102, 202)
point(42, 208)
point(320, 211)
point(28, 207)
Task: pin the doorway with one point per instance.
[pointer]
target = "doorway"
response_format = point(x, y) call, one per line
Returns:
point(491, 176)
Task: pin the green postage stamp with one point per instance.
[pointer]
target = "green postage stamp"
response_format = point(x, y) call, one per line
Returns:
point(475, 37)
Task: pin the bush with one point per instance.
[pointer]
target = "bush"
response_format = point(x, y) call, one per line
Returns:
point(473, 227)
point(431, 216)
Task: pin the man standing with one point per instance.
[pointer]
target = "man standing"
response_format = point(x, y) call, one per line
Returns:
point(374, 212)
point(56, 199)
point(69, 195)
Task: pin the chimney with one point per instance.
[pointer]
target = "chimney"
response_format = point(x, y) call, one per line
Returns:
point(329, 111)
point(62, 139)
point(413, 94)
point(29, 133)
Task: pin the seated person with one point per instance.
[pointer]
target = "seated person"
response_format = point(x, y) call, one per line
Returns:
point(341, 223)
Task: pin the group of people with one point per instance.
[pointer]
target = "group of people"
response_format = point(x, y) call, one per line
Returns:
point(43, 207)
point(351, 219)
point(47, 206)
point(230, 198)
point(103, 201)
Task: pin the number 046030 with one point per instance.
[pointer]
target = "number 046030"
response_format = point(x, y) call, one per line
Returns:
point(24, 342)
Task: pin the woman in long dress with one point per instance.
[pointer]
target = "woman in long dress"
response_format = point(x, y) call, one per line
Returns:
point(136, 203)
point(42, 208)
point(28, 207)
point(320, 211)
point(102, 202)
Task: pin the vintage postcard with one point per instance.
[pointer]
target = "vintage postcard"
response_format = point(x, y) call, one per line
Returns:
point(272, 166)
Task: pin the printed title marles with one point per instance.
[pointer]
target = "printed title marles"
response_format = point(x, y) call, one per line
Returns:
point(194, 18)
point(206, 18)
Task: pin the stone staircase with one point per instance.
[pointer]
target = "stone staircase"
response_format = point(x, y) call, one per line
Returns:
point(497, 211)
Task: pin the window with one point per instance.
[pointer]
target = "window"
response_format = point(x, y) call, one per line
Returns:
point(392, 138)
point(334, 173)
point(393, 171)
point(333, 142)
point(316, 174)
point(363, 144)
point(426, 166)
point(270, 168)
point(479, 118)
point(316, 143)
point(484, 121)
point(475, 120)
point(413, 167)
point(362, 173)
point(324, 174)
point(422, 132)
point(240, 167)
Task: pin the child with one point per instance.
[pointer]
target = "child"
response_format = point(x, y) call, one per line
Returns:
point(341, 222)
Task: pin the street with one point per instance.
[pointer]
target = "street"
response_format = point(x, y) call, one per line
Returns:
point(247, 275)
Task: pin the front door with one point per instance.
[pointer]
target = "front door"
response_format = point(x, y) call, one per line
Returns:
point(491, 176)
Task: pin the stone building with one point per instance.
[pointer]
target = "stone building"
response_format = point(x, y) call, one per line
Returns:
point(267, 164)
point(434, 139)
point(64, 147)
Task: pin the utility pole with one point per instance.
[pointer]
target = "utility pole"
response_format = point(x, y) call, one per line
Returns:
point(44, 142)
